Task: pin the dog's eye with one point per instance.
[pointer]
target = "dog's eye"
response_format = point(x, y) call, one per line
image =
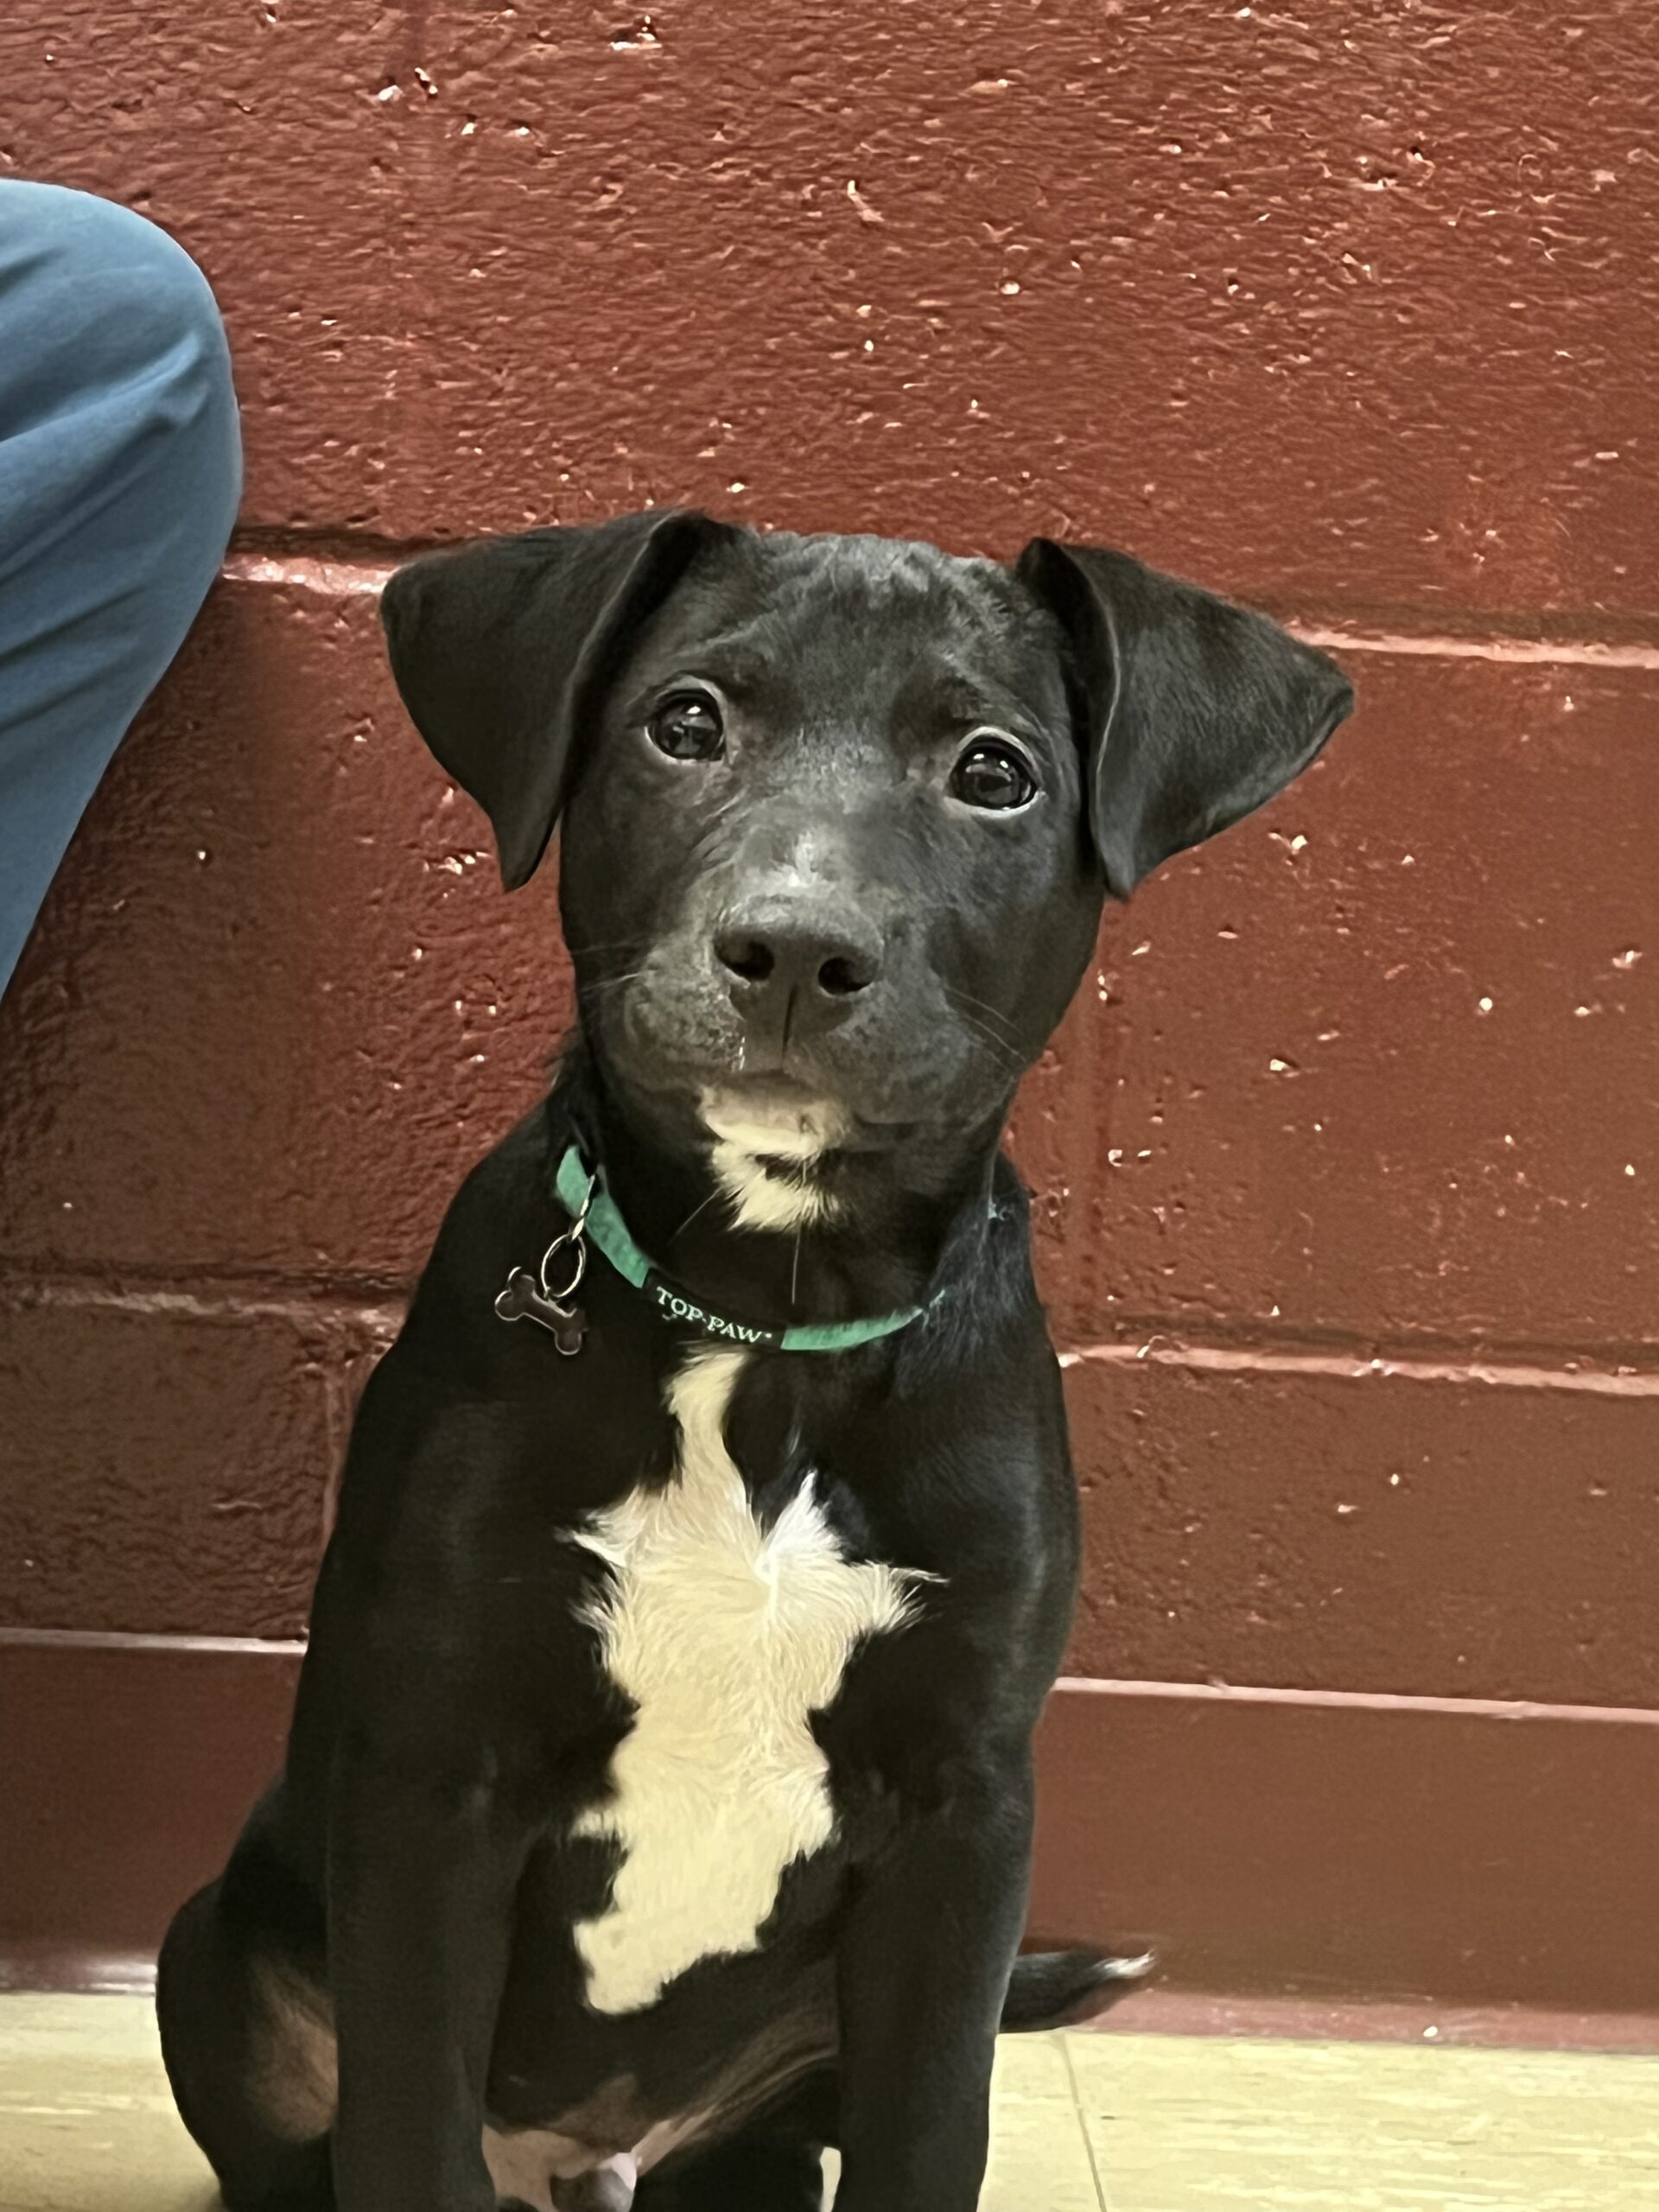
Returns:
point(993, 775)
point(688, 728)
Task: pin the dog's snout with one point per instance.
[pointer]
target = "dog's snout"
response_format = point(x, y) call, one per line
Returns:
point(818, 956)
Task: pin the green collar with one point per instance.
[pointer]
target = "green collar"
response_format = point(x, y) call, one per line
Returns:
point(594, 1215)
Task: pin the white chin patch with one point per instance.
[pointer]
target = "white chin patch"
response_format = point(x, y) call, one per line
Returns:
point(765, 1161)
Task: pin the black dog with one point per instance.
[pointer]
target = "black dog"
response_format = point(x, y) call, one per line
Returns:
point(658, 1807)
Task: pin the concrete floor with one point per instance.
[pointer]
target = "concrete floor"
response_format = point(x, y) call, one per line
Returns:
point(1085, 2123)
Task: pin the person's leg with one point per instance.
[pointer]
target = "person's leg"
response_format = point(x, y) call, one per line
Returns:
point(120, 469)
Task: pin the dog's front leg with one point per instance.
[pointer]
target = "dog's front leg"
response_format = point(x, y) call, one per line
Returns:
point(922, 1967)
point(421, 1869)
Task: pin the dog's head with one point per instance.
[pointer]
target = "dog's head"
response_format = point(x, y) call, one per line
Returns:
point(840, 813)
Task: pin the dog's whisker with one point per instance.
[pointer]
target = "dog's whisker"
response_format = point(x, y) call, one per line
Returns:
point(1001, 1055)
point(700, 1207)
point(614, 982)
point(966, 999)
point(629, 944)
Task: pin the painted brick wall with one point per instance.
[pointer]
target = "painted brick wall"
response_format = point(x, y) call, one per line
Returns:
point(1347, 1181)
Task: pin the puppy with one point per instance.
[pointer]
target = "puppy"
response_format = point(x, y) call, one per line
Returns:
point(657, 1806)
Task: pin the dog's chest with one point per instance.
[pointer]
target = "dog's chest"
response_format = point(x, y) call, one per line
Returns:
point(727, 1637)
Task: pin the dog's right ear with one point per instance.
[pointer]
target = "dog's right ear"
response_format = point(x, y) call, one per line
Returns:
point(500, 649)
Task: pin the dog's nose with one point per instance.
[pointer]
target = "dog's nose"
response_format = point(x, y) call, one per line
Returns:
point(818, 956)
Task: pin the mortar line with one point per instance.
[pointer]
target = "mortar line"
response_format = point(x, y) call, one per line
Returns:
point(382, 1314)
point(1511, 1710)
point(1354, 1366)
point(113, 1639)
point(1527, 652)
point(22, 1293)
point(339, 571)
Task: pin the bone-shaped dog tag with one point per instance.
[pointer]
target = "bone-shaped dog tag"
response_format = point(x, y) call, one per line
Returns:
point(524, 1300)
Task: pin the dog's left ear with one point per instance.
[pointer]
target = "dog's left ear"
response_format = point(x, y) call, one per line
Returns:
point(500, 649)
point(1196, 711)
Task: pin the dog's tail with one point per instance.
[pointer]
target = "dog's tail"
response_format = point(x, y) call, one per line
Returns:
point(1058, 1989)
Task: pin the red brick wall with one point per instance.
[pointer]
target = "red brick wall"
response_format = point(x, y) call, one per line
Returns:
point(1348, 1190)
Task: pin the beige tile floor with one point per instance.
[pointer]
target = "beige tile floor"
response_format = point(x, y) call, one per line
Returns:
point(1126, 2123)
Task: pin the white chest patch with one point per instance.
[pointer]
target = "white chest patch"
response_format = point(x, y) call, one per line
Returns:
point(727, 1637)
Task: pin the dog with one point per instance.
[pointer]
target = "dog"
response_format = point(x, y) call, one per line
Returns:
point(657, 1806)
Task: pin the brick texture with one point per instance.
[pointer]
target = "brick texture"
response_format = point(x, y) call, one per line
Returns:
point(1350, 312)
point(164, 1470)
point(1355, 302)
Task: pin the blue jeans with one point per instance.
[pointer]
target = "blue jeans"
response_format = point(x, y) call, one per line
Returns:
point(120, 469)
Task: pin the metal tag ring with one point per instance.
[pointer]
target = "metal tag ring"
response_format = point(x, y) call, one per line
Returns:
point(578, 1242)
